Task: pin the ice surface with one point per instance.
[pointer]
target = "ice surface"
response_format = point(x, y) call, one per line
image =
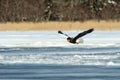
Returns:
point(48, 47)
point(52, 38)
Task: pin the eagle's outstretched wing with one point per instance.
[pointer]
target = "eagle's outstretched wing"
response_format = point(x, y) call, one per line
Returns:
point(60, 32)
point(83, 33)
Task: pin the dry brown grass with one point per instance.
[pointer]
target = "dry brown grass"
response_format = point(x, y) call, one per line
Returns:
point(102, 25)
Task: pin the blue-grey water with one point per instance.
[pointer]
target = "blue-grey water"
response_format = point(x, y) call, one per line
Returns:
point(46, 55)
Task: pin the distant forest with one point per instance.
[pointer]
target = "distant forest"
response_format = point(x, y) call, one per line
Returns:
point(58, 10)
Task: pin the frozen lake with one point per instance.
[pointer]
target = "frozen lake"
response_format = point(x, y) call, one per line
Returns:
point(46, 55)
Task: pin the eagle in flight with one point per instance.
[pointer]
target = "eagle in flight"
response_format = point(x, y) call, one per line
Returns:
point(74, 39)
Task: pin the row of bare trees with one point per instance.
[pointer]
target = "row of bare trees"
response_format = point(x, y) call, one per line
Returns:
point(58, 10)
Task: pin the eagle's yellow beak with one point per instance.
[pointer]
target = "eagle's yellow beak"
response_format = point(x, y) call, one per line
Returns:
point(77, 42)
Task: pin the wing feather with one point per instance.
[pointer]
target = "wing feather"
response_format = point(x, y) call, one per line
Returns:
point(83, 33)
point(60, 32)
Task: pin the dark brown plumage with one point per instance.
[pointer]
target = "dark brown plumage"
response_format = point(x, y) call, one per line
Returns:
point(74, 39)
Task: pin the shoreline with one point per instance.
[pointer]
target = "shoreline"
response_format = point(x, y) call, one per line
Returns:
point(53, 26)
